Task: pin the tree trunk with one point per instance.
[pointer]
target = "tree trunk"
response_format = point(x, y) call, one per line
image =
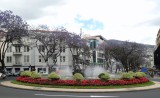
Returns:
point(3, 66)
point(49, 67)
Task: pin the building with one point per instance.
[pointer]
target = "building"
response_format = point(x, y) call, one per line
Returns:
point(22, 57)
point(157, 52)
point(97, 57)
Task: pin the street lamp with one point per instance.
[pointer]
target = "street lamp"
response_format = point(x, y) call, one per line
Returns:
point(30, 67)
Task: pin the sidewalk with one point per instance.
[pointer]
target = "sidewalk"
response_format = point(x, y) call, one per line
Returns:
point(9, 84)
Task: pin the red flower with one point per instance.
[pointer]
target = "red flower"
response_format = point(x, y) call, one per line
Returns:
point(93, 82)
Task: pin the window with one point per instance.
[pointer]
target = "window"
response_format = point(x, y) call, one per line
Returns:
point(17, 70)
point(60, 58)
point(26, 69)
point(64, 49)
point(9, 49)
point(93, 44)
point(41, 48)
point(9, 59)
point(26, 48)
point(41, 58)
point(18, 48)
point(63, 58)
point(26, 58)
point(60, 49)
point(42, 70)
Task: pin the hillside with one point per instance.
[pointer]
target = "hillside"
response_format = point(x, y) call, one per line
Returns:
point(112, 41)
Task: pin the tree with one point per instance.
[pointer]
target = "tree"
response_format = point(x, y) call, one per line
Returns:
point(12, 28)
point(80, 51)
point(128, 53)
point(49, 43)
point(110, 53)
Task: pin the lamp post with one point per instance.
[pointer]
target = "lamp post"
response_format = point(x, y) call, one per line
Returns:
point(30, 67)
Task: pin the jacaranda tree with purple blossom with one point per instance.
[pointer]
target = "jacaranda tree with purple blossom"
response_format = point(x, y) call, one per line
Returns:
point(12, 28)
point(49, 43)
point(80, 51)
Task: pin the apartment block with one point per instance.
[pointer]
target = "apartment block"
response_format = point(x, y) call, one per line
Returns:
point(23, 57)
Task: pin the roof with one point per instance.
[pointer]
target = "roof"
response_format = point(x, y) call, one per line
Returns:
point(94, 37)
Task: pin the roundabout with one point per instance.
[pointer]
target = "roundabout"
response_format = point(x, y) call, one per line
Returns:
point(9, 90)
point(128, 82)
point(9, 84)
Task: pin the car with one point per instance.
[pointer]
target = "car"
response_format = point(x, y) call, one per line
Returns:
point(9, 73)
point(43, 72)
point(2, 76)
point(17, 73)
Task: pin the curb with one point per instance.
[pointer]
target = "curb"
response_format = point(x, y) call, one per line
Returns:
point(9, 84)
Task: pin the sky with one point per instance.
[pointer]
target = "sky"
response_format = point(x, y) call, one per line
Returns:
point(131, 20)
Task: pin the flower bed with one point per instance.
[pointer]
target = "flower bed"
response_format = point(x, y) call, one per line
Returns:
point(94, 82)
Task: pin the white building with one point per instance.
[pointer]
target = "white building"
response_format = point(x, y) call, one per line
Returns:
point(97, 57)
point(21, 57)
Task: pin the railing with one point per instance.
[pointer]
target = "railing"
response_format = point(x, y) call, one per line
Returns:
point(17, 53)
point(17, 63)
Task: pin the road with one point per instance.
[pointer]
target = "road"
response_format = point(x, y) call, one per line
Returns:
point(6, 92)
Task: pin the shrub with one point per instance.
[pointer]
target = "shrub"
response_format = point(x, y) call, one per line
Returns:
point(100, 75)
point(35, 75)
point(131, 72)
point(25, 73)
point(104, 76)
point(53, 76)
point(120, 73)
point(127, 76)
point(78, 77)
point(139, 74)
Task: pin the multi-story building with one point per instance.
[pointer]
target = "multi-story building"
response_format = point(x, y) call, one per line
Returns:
point(22, 57)
point(97, 57)
point(157, 51)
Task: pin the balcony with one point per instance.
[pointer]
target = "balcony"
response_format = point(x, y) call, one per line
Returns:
point(17, 43)
point(17, 53)
point(17, 63)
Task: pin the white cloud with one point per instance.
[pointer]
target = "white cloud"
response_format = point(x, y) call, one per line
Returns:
point(122, 19)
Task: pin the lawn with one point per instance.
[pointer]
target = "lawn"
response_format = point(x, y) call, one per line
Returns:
point(86, 87)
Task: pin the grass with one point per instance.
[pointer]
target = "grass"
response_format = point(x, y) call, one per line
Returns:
point(86, 87)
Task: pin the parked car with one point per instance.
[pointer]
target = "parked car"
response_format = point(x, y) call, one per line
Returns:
point(2, 76)
point(17, 73)
point(43, 72)
point(9, 73)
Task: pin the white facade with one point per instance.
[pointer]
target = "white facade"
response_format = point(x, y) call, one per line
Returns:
point(20, 57)
point(97, 57)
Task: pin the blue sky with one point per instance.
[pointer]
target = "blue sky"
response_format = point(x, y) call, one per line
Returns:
point(133, 20)
point(89, 24)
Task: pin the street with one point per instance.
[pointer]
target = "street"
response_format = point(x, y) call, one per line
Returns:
point(6, 92)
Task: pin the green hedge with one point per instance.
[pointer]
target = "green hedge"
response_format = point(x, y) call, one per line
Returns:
point(35, 75)
point(53, 76)
point(78, 77)
point(139, 74)
point(25, 73)
point(127, 76)
point(104, 76)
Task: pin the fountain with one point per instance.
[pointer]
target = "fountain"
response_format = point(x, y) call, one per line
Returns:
point(65, 72)
point(92, 72)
